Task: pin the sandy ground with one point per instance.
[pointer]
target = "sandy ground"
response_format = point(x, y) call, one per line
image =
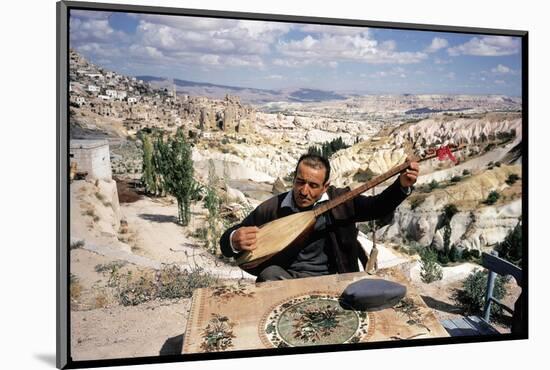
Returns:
point(159, 238)
point(150, 329)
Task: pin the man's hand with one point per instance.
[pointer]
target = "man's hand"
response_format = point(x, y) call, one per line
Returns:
point(408, 177)
point(244, 238)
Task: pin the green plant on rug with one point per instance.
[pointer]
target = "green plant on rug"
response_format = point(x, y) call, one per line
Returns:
point(218, 334)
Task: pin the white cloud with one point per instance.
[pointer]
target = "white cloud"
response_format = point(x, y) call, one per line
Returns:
point(388, 45)
point(274, 77)
point(334, 30)
point(210, 59)
point(451, 75)
point(147, 52)
point(442, 61)
point(292, 63)
point(178, 40)
point(487, 46)
point(244, 61)
point(84, 31)
point(89, 14)
point(394, 72)
point(437, 43)
point(379, 74)
point(357, 48)
point(501, 69)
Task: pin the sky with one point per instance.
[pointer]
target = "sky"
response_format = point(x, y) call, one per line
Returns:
point(280, 55)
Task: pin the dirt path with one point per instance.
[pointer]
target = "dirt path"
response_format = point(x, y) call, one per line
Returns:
point(150, 329)
point(159, 238)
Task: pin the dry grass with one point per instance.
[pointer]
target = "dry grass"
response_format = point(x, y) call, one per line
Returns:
point(78, 244)
point(133, 287)
point(101, 301)
point(75, 288)
point(102, 199)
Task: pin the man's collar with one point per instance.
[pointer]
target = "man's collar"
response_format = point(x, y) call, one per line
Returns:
point(289, 201)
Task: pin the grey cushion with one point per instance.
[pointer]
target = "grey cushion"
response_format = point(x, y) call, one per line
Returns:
point(372, 294)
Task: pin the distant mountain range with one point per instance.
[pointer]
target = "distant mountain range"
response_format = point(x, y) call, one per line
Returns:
point(246, 94)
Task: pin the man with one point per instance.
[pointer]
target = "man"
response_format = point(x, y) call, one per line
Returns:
point(332, 247)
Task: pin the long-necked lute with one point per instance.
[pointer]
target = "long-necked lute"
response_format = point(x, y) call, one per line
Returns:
point(275, 239)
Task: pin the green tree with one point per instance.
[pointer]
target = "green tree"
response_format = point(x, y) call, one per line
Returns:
point(448, 212)
point(472, 294)
point(492, 197)
point(511, 247)
point(512, 178)
point(328, 148)
point(454, 254)
point(176, 168)
point(430, 270)
point(148, 172)
point(433, 185)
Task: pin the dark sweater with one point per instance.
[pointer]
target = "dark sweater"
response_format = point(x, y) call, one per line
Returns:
point(313, 258)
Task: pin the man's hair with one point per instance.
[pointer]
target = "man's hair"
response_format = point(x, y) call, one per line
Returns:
point(314, 161)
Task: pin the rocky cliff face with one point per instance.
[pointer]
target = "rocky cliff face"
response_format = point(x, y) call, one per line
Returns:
point(475, 229)
point(440, 130)
point(475, 226)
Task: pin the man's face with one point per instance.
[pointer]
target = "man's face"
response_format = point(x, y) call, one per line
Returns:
point(308, 185)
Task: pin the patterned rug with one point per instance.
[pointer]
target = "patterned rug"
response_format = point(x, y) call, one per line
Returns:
point(300, 312)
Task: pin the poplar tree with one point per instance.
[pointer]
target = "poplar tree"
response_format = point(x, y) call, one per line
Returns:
point(176, 168)
point(148, 175)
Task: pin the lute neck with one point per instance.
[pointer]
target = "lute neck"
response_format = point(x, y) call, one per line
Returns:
point(361, 189)
point(370, 184)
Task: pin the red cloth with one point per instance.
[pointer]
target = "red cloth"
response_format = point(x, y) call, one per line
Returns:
point(444, 152)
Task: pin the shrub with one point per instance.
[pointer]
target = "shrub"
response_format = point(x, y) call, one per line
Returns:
point(466, 173)
point(416, 202)
point(100, 196)
point(108, 267)
point(489, 147)
point(512, 178)
point(492, 197)
point(456, 179)
point(433, 185)
point(430, 270)
point(78, 244)
point(472, 295)
point(474, 253)
point(454, 254)
point(510, 248)
point(448, 212)
point(75, 288)
point(201, 233)
point(177, 283)
point(443, 257)
point(328, 148)
point(169, 282)
point(134, 292)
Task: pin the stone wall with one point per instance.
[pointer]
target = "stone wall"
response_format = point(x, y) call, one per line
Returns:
point(91, 156)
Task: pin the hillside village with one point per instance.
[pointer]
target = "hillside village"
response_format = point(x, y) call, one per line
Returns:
point(118, 230)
